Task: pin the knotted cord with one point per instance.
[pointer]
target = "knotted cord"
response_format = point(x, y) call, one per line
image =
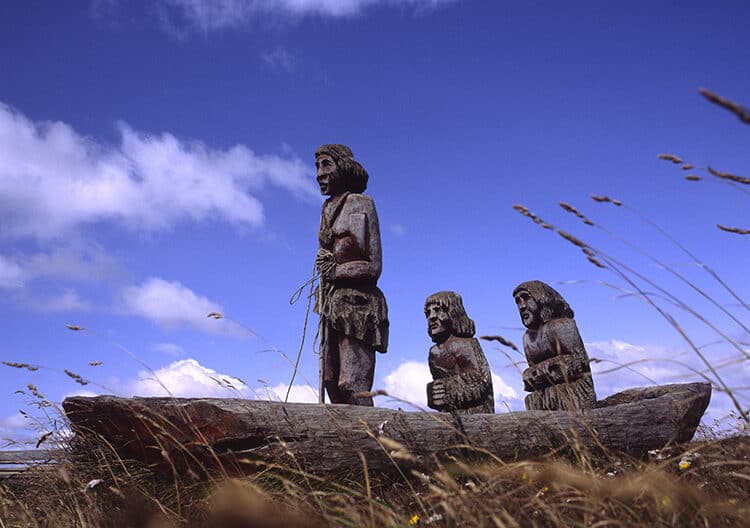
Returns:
point(325, 265)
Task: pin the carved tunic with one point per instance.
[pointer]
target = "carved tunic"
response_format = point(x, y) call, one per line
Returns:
point(350, 303)
point(559, 375)
point(462, 366)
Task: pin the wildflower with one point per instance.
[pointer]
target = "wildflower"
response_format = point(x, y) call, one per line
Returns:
point(414, 519)
point(666, 501)
point(685, 464)
point(733, 502)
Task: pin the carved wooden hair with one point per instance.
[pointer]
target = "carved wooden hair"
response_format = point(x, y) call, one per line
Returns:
point(461, 325)
point(551, 303)
point(354, 175)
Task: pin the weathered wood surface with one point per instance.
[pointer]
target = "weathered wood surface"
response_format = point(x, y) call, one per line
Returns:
point(212, 433)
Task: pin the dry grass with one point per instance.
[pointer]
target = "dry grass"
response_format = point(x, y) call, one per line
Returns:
point(704, 483)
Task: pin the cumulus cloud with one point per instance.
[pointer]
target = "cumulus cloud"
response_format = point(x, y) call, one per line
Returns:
point(184, 379)
point(210, 15)
point(172, 305)
point(299, 393)
point(187, 378)
point(147, 182)
point(409, 380)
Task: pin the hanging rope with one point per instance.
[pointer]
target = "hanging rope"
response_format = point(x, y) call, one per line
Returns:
point(327, 265)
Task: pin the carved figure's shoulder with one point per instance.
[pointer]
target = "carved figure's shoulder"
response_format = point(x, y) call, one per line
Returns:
point(359, 203)
point(461, 344)
point(562, 324)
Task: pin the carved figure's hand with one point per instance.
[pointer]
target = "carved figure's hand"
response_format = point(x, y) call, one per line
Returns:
point(325, 263)
point(436, 396)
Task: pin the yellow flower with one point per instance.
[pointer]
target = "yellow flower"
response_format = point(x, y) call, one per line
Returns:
point(666, 501)
point(414, 519)
point(733, 502)
point(684, 464)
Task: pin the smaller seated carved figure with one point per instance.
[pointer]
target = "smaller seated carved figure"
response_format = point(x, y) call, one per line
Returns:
point(462, 382)
point(559, 374)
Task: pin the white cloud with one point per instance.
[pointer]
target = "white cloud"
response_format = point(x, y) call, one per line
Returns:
point(148, 182)
point(184, 379)
point(408, 382)
point(80, 262)
point(502, 390)
point(11, 274)
point(619, 365)
point(171, 305)
point(187, 378)
point(16, 430)
point(280, 59)
point(299, 393)
point(67, 301)
point(208, 15)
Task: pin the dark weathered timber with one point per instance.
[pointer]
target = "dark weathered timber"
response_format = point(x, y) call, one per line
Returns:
point(245, 434)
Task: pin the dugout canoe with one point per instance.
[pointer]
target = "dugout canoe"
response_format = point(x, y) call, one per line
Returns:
point(206, 434)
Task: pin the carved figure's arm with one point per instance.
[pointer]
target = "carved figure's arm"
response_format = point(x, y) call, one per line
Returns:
point(365, 228)
point(473, 384)
point(568, 363)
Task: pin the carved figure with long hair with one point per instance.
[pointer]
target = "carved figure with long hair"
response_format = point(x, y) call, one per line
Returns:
point(462, 381)
point(559, 374)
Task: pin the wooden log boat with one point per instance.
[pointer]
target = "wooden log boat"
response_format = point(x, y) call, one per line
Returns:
point(205, 434)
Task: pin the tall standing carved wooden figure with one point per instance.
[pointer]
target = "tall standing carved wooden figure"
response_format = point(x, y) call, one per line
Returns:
point(559, 374)
point(462, 381)
point(353, 312)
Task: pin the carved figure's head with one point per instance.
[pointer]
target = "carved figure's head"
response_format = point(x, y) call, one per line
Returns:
point(538, 303)
point(338, 171)
point(446, 316)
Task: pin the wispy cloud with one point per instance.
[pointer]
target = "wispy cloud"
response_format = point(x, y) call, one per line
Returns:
point(211, 15)
point(171, 349)
point(398, 230)
point(280, 59)
point(68, 300)
point(172, 305)
point(12, 276)
point(148, 182)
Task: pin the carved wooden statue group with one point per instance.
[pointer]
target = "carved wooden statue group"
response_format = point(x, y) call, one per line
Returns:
point(354, 316)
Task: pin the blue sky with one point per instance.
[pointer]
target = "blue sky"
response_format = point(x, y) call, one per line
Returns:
point(156, 165)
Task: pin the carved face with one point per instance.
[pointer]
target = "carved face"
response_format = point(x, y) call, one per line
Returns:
point(439, 325)
point(328, 177)
point(528, 308)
